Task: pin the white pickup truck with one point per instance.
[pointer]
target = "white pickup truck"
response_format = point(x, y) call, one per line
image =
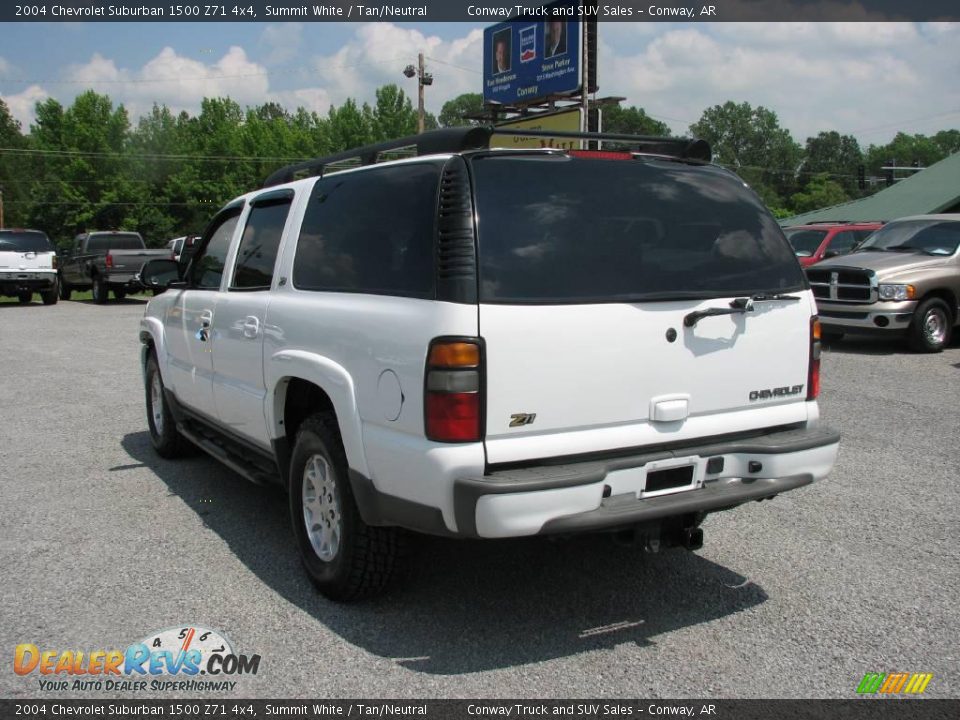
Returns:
point(489, 343)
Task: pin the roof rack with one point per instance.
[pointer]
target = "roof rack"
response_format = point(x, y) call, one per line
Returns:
point(462, 139)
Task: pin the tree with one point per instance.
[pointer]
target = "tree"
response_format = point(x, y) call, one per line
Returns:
point(820, 192)
point(393, 115)
point(453, 111)
point(14, 168)
point(751, 142)
point(349, 126)
point(905, 150)
point(632, 121)
point(836, 155)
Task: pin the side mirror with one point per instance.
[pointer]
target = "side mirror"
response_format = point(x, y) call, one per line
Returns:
point(160, 274)
point(803, 253)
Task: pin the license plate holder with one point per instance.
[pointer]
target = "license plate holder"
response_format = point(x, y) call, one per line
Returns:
point(678, 475)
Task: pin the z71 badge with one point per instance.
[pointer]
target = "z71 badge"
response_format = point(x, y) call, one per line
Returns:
point(519, 419)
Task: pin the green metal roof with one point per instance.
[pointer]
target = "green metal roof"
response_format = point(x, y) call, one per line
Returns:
point(935, 189)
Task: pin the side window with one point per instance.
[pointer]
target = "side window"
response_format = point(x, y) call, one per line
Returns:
point(371, 231)
point(863, 234)
point(259, 244)
point(207, 268)
point(843, 242)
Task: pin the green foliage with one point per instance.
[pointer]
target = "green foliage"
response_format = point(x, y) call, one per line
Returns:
point(835, 154)
point(169, 173)
point(632, 121)
point(452, 112)
point(820, 192)
point(751, 142)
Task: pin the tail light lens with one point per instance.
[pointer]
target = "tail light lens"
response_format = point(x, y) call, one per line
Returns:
point(53, 262)
point(109, 260)
point(452, 391)
point(813, 375)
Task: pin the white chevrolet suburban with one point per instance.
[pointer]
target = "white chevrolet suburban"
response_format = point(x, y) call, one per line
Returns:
point(489, 343)
point(28, 265)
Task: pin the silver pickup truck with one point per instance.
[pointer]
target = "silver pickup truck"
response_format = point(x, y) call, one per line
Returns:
point(104, 261)
point(904, 280)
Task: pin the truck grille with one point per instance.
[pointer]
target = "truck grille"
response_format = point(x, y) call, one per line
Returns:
point(843, 285)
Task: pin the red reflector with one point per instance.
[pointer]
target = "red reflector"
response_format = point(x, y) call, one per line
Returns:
point(453, 417)
point(813, 382)
point(602, 154)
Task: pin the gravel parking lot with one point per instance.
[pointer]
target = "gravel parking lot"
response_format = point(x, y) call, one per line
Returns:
point(102, 542)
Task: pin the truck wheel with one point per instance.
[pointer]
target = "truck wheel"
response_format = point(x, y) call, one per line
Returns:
point(51, 296)
point(119, 294)
point(100, 290)
point(345, 558)
point(24, 298)
point(930, 329)
point(65, 290)
point(167, 440)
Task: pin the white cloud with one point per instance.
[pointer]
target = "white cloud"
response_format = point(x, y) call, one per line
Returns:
point(173, 80)
point(282, 42)
point(22, 104)
point(851, 77)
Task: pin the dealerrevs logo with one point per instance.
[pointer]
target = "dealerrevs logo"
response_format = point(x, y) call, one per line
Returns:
point(182, 653)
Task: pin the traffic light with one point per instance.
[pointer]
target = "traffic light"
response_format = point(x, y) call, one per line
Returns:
point(861, 177)
point(888, 173)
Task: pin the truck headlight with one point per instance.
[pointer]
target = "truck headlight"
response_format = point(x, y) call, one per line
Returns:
point(897, 292)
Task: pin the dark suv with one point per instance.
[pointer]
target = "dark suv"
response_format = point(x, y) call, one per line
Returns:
point(819, 241)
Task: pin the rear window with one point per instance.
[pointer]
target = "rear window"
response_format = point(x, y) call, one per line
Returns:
point(115, 241)
point(24, 241)
point(805, 242)
point(561, 229)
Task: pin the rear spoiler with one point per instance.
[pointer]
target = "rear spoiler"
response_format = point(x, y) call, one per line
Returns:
point(457, 140)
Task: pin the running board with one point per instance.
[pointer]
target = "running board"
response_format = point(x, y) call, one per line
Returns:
point(236, 463)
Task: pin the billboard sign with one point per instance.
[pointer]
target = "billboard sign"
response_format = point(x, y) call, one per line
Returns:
point(564, 121)
point(533, 56)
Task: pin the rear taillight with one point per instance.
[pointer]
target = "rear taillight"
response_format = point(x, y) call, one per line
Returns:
point(813, 375)
point(452, 390)
point(108, 260)
point(53, 262)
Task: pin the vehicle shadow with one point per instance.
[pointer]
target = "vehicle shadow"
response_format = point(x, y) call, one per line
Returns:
point(113, 301)
point(468, 606)
point(865, 345)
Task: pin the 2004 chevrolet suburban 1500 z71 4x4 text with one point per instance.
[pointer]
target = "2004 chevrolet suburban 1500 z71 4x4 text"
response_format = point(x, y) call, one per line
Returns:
point(489, 343)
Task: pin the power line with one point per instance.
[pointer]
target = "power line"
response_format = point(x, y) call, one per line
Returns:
point(146, 156)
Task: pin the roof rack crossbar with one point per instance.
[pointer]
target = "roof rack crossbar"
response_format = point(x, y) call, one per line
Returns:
point(454, 140)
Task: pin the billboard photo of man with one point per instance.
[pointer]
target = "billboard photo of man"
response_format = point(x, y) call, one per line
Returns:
point(554, 38)
point(502, 51)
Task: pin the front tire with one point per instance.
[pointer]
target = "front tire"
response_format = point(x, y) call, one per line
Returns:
point(24, 298)
point(100, 290)
point(931, 326)
point(166, 439)
point(119, 294)
point(65, 290)
point(345, 558)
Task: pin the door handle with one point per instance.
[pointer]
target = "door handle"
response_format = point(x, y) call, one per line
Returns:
point(206, 318)
point(251, 326)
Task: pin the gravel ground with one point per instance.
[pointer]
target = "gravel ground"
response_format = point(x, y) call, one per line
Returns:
point(102, 542)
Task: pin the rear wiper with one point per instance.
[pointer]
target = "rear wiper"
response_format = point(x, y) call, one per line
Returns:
point(738, 306)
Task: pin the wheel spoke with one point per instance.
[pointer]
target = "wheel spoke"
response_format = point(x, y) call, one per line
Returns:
point(321, 508)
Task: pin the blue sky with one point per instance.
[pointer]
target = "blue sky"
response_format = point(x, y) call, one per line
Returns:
point(868, 79)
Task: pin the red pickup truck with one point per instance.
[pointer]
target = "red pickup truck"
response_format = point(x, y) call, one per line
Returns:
point(819, 241)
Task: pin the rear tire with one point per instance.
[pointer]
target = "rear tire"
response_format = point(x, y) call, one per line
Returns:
point(166, 439)
point(345, 558)
point(51, 296)
point(100, 290)
point(119, 294)
point(24, 298)
point(931, 327)
point(65, 290)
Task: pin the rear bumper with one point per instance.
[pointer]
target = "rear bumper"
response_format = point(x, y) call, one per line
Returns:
point(608, 494)
point(12, 283)
point(879, 317)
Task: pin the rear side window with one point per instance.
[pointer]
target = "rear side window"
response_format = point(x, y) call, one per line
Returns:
point(805, 242)
point(843, 242)
point(259, 244)
point(371, 232)
point(561, 229)
point(115, 241)
point(24, 241)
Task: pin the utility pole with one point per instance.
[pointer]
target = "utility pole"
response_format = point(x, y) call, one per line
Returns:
point(419, 92)
point(1, 206)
